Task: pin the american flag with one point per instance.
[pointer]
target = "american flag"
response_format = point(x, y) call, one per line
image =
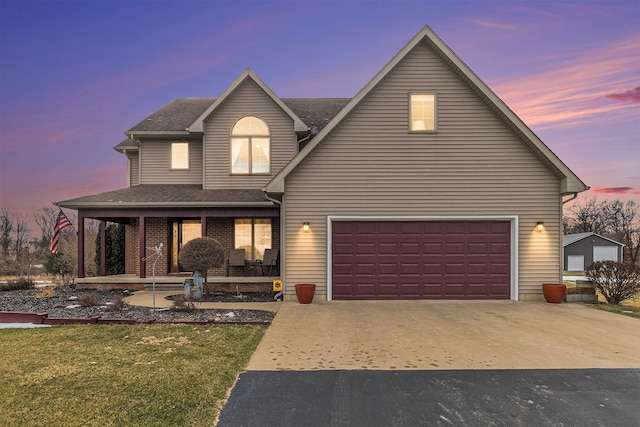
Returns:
point(61, 223)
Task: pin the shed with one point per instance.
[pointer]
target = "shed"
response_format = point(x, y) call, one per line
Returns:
point(581, 249)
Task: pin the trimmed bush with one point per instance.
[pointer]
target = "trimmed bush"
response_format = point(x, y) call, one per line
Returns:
point(201, 254)
point(616, 281)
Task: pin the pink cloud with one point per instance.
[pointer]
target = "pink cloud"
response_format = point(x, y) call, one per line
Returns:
point(632, 96)
point(615, 190)
point(577, 89)
point(494, 25)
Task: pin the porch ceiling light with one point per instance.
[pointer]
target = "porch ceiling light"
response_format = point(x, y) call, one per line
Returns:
point(540, 226)
point(305, 226)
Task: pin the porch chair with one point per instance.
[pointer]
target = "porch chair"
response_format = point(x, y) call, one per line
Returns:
point(270, 260)
point(236, 259)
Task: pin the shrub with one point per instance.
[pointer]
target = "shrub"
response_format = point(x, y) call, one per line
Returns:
point(180, 303)
point(201, 254)
point(90, 299)
point(118, 303)
point(20, 284)
point(616, 281)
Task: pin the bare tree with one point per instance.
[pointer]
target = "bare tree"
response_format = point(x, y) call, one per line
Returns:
point(588, 216)
point(6, 228)
point(46, 219)
point(626, 226)
point(21, 235)
point(615, 219)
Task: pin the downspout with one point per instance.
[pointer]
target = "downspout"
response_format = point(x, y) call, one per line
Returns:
point(575, 195)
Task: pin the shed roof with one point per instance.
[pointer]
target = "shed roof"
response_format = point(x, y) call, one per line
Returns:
point(569, 239)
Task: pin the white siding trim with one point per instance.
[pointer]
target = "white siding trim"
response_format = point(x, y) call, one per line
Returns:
point(513, 219)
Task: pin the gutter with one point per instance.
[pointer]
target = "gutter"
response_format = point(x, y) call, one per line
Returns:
point(575, 195)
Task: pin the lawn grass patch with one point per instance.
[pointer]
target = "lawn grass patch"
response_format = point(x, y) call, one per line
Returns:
point(143, 375)
point(627, 310)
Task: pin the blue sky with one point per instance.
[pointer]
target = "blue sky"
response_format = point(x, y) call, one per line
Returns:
point(74, 75)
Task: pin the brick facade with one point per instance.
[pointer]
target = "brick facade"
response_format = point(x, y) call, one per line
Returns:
point(157, 230)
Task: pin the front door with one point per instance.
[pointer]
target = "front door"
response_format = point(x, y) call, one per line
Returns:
point(182, 231)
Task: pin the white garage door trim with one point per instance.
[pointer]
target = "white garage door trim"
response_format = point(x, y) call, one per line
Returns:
point(511, 218)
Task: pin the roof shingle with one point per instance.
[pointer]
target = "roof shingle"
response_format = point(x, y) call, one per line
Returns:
point(167, 195)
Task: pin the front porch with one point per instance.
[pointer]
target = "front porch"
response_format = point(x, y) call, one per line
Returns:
point(176, 282)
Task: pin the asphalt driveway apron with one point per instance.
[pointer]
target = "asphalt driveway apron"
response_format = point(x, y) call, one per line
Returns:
point(410, 363)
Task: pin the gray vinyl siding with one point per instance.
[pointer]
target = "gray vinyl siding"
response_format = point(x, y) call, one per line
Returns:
point(156, 163)
point(134, 168)
point(248, 99)
point(473, 165)
point(585, 247)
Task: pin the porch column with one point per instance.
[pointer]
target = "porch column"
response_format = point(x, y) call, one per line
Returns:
point(203, 222)
point(80, 245)
point(103, 248)
point(143, 248)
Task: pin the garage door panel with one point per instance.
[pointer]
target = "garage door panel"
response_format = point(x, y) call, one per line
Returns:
point(422, 259)
point(478, 248)
point(387, 249)
point(432, 248)
point(365, 269)
point(364, 249)
point(410, 269)
point(388, 269)
point(454, 248)
point(410, 248)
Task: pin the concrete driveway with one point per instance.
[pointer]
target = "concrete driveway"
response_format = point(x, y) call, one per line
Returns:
point(441, 363)
point(435, 335)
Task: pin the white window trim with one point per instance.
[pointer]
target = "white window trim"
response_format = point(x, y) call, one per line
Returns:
point(249, 139)
point(435, 113)
point(171, 167)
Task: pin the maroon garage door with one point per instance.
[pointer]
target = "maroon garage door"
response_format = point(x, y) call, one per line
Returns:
point(421, 259)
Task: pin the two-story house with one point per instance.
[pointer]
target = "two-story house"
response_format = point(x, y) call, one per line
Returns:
point(425, 185)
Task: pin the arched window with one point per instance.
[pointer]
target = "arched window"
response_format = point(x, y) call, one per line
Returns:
point(250, 146)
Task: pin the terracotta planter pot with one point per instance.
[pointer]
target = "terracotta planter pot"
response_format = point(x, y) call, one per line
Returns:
point(305, 292)
point(553, 292)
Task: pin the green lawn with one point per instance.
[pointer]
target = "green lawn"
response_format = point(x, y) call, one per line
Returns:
point(152, 375)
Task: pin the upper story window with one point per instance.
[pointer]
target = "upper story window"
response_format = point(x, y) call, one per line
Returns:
point(422, 112)
point(250, 146)
point(179, 155)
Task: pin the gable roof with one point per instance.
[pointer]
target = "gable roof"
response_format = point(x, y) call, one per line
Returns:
point(198, 125)
point(174, 117)
point(570, 183)
point(569, 239)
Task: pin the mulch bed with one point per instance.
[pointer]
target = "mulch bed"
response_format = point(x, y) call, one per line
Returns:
point(109, 305)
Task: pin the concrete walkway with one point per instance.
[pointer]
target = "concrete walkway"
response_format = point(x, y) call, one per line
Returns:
point(145, 299)
point(436, 335)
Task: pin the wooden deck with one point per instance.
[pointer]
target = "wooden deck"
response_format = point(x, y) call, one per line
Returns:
point(176, 282)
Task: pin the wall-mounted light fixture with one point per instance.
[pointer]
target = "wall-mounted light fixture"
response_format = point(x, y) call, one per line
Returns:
point(540, 226)
point(305, 226)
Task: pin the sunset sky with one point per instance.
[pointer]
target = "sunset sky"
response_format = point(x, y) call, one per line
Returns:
point(74, 75)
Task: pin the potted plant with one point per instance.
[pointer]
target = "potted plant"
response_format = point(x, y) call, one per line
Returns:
point(554, 292)
point(305, 292)
point(199, 255)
